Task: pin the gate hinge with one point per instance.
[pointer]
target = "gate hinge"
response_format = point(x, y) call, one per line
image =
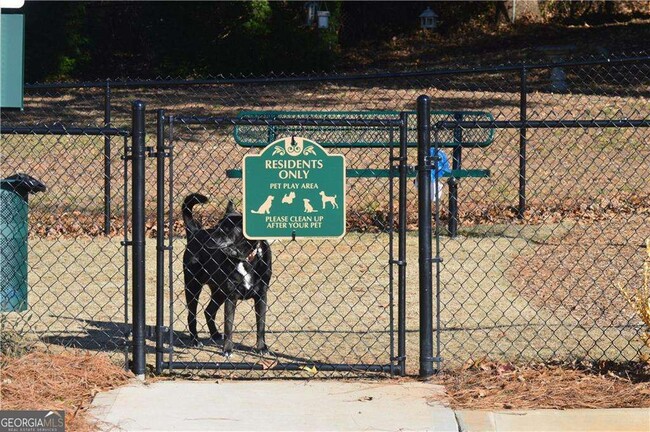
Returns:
point(435, 259)
point(398, 262)
point(426, 167)
point(126, 243)
point(128, 153)
point(150, 331)
point(431, 159)
point(429, 163)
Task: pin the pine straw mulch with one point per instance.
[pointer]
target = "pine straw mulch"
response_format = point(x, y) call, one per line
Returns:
point(498, 386)
point(66, 381)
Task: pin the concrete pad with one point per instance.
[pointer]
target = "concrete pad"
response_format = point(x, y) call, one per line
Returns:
point(592, 420)
point(275, 405)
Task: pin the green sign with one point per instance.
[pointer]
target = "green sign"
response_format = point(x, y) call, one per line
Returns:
point(294, 189)
point(12, 47)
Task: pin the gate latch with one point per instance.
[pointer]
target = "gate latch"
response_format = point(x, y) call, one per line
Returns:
point(152, 153)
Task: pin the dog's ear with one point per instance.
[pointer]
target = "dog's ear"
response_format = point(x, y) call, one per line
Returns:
point(230, 208)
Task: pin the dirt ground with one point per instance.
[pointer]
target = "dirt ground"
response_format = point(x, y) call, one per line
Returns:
point(607, 254)
point(330, 302)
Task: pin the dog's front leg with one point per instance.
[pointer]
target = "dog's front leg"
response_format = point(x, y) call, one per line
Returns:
point(229, 310)
point(260, 315)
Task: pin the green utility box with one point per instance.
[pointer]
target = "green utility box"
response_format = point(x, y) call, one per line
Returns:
point(14, 191)
point(12, 54)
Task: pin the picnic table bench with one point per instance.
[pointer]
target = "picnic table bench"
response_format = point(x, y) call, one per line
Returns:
point(374, 137)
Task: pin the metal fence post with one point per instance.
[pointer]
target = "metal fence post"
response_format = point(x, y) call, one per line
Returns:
point(107, 160)
point(456, 163)
point(424, 232)
point(522, 144)
point(160, 234)
point(138, 242)
point(401, 248)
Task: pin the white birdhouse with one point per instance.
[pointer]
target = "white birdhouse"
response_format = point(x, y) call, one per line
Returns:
point(428, 19)
point(323, 19)
point(315, 16)
point(311, 7)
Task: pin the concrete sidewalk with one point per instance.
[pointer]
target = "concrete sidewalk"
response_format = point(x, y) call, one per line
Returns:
point(592, 420)
point(274, 406)
point(329, 406)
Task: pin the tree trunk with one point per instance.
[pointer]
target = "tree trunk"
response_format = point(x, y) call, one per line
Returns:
point(522, 9)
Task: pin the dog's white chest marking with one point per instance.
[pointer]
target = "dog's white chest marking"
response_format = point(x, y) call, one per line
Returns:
point(248, 279)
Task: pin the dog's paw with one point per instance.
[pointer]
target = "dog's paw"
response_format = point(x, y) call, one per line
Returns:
point(227, 348)
point(216, 339)
point(263, 349)
point(197, 343)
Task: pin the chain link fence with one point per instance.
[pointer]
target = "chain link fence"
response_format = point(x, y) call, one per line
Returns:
point(532, 272)
point(74, 293)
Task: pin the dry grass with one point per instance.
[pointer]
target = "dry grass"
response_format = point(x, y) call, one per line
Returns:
point(66, 381)
point(497, 386)
point(577, 273)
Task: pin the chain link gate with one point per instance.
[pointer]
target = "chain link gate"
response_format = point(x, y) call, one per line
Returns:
point(331, 303)
point(75, 266)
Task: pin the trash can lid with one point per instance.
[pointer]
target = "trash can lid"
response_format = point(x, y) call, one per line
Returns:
point(22, 184)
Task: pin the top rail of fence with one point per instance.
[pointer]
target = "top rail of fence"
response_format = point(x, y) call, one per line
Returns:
point(341, 122)
point(336, 77)
point(62, 130)
point(537, 124)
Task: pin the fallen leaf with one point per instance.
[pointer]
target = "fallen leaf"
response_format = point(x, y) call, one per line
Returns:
point(268, 363)
point(312, 370)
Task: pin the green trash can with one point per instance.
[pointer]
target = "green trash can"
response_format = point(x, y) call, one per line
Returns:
point(14, 191)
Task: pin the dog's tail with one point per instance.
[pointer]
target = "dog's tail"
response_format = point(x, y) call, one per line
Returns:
point(191, 225)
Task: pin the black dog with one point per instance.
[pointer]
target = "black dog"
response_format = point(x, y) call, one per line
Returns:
point(234, 268)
